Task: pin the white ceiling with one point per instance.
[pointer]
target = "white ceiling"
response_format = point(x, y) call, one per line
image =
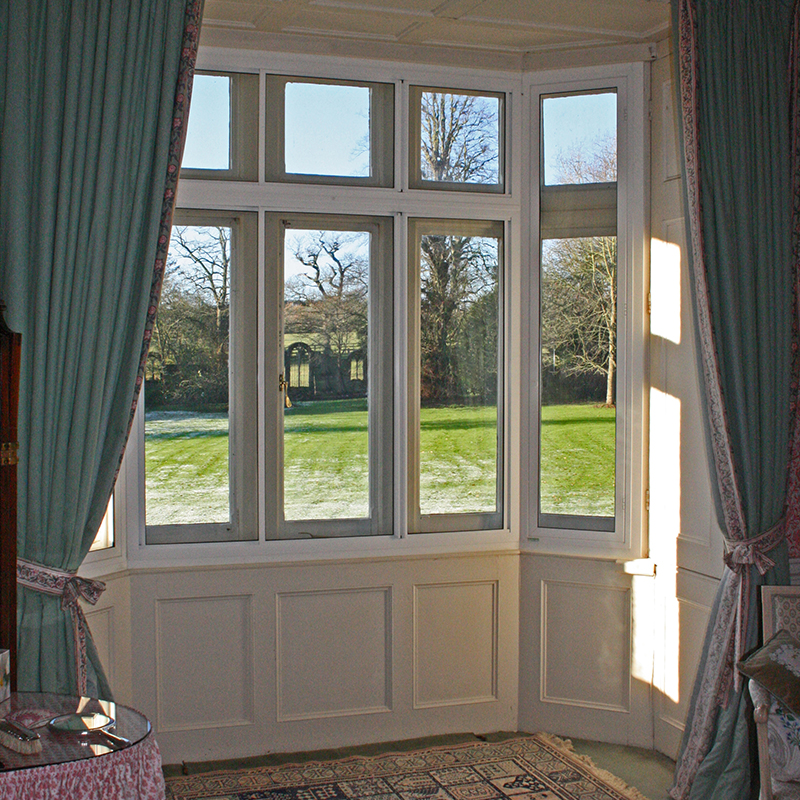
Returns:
point(494, 27)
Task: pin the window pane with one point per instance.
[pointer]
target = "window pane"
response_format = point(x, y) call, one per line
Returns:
point(209, 131)
point(105, 533)
point(326, 321)
point(578, 351)
point(458, 437)
point(327, 129)
point(186, 388)
point(459, 138)
point(580, 138)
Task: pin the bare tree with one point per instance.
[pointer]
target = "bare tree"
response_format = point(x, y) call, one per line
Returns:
point(585, 162)
point(459, 144)
point(188, 362)
point(579, 306)
point(579, 281)
point(459, 138)
point(200, 257)
point(455, 273)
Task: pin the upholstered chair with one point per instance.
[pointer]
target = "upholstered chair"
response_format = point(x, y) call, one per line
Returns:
point(778, 728)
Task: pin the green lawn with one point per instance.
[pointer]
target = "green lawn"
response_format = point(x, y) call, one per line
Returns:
point(577, 463)
point(186, 458)
point(325, 460)
point(186, 467)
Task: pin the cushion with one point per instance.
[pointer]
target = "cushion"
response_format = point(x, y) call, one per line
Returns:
point(776, 666)
point(783, 735)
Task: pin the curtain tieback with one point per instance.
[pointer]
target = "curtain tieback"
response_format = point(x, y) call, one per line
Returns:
point(754, 550)
point(70, 588)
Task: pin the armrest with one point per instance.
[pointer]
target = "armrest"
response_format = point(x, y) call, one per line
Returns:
point(762, 701)
point(759, 694)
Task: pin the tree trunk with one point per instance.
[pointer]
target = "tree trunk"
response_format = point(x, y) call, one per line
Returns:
point(612, 364)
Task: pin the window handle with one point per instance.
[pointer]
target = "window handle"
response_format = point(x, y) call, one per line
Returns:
point(283, 386)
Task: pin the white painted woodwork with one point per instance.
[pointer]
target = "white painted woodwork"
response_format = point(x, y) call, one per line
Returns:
point(439, 30)
point(247, 659)
point(685, 618)
point(579, 673)
point(685, 540)
point(334, 653)
point(455, 644)
point(604, 641)
point(101, 624)
point(203, 653)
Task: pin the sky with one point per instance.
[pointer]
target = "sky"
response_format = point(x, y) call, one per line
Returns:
point(574, 120)
point(330, 140)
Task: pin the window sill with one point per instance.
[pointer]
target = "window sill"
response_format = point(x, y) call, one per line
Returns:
point(351, 549)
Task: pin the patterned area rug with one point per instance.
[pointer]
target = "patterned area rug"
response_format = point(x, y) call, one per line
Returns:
point(538, 767)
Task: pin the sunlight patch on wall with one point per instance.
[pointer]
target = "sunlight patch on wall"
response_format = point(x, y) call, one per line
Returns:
point(642, 616)
point(665, 290)
point(665, 526)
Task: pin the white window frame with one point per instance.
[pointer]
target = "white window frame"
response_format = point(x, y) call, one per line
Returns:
point(243, 145)
point(381, 373)
point(415, 179)
point(628, 540)
point(515, 207)
point(242, 451)
point(439, 523)
point(381, 144)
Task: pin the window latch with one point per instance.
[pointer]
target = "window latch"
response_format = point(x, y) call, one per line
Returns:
point(283, 387)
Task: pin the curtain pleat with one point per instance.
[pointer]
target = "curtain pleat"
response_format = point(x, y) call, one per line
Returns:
point(93, 108)
point(736, 84)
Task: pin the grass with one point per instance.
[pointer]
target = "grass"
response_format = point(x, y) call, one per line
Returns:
point(577, 462)
point(186, 467)
point(326, 461)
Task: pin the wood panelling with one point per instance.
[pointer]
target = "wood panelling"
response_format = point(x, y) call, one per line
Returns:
point(246, 659)
point(455, 644)
point(334, 653)
point(585, 644)
point(204, 662)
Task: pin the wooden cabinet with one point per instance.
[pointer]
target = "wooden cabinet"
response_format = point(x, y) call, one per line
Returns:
point(9, 395)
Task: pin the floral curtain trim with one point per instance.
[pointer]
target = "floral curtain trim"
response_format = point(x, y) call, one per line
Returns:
point(793, 487)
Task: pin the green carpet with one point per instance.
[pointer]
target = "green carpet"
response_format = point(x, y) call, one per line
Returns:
point(537, 767)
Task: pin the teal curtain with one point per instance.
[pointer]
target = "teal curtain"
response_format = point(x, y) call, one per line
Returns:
point(93, 104)
point(736, 69)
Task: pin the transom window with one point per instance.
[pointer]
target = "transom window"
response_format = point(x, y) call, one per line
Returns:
point(457, 139)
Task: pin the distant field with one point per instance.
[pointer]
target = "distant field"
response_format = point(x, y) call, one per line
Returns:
point(186, 461)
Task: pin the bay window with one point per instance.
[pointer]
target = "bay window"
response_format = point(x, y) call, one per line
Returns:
point(380, 319)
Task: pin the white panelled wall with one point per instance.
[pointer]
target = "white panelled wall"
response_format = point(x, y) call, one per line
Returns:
point(239, 659)
point(242, 660)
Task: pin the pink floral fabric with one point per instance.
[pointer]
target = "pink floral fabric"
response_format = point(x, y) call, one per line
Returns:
point(130, 774)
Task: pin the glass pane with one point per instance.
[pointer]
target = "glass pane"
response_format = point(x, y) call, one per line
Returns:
point(459, 297)
point(459, 138)
point(326, 333)
point(105, 533)
point(579, 359)
point(327, 129)
point(580, 138)
point(208, 134)
point(186, 386)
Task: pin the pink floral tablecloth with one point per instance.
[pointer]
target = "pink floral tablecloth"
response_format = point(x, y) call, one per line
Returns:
point(130, 774)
